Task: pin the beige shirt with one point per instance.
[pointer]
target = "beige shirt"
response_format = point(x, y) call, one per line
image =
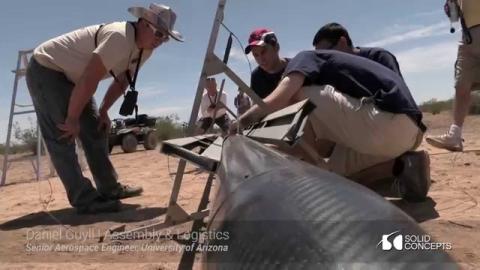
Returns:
point(71, 52)
point(471, 12)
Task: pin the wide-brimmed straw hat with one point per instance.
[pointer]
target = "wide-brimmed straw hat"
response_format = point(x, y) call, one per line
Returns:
point(160, 16)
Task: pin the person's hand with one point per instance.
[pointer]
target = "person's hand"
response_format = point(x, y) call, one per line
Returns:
point(104, 122)
point(71, 129)
point(233, 129)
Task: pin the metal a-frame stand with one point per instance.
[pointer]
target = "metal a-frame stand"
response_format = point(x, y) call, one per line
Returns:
point(212, 65)
point(20, 72)
point(175, 213)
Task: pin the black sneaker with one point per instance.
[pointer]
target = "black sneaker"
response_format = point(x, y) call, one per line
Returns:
point(124, 191)
point(413, 181)
point(100, 205)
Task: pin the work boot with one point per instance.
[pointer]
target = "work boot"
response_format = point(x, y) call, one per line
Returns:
point(446, 141)
point(100, 205)
point(413, 180)
point(124, 191)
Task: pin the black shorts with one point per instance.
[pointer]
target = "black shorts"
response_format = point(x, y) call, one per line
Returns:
point(223, 122)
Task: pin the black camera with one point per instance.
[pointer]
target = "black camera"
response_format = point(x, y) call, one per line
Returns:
point(129, 103)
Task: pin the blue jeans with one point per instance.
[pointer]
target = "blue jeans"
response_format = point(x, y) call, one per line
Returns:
point(50, 91)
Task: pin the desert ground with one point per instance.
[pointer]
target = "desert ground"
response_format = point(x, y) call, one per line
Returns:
point(33, 214)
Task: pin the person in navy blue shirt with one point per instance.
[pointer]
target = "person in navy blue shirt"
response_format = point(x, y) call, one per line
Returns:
point(335, 36)
point(366, 109)
point(264, 46)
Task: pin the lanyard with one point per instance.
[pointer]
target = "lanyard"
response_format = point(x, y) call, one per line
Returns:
point(131, 81)
point(215, 98)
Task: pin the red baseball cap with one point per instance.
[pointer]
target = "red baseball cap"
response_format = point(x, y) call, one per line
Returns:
point(257, 38)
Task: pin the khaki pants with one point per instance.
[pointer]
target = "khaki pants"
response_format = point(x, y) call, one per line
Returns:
point(364, 136)
point(467, 66)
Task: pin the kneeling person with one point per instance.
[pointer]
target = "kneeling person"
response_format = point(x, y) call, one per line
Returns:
point(212, 104)
point(368, 113)
point(335, 37)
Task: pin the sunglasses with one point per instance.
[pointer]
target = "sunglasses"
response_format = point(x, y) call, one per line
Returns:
point(157, 32)
point(269, 38)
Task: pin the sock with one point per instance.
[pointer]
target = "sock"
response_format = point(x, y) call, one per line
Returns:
point(455, 131)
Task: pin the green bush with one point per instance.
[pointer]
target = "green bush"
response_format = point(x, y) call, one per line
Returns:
point(168, 127)
point(14, 149)
point(28, 139)
point(434, 106)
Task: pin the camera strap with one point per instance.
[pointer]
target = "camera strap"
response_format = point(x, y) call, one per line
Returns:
point(131, 81)
point(214, 101)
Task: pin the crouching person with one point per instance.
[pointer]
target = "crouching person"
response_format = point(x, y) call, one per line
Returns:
point(212, 108)
point(368, 113)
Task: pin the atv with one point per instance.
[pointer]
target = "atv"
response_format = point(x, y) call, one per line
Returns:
point(129, 132)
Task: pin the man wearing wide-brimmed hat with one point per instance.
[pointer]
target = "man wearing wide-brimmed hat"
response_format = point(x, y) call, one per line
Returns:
point(62, 78)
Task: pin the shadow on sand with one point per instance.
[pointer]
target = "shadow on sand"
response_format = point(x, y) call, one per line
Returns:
point(68, 216)
point(419, 211)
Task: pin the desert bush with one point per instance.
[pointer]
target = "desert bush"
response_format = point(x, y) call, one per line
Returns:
point(27, 138)
point(168, 127)
point(14, 148)
point(434, 106)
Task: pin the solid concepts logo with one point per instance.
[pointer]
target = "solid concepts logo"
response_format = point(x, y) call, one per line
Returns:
point(397, 241)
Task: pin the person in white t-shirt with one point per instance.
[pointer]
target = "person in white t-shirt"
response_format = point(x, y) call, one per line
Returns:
point(212, 107)
point(62, 77)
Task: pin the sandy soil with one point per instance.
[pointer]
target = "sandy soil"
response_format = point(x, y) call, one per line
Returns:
point(452, 213)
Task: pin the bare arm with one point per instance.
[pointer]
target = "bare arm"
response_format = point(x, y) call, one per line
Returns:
point(281, 97)
point(86, 87)
point(82, 92)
